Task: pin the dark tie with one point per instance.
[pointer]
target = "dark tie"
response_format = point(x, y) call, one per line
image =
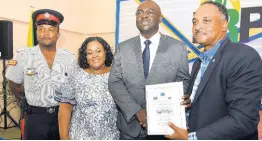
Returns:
point(146, 58)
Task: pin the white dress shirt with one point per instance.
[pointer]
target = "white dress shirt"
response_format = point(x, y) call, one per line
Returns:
point(153, 46)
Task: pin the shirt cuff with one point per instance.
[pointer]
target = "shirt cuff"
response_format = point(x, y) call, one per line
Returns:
point(192, 136)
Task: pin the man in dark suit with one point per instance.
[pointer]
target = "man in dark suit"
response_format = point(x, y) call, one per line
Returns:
point(226, 82)
point(149, 58)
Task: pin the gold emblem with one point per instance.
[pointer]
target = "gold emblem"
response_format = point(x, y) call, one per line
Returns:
point(12, 63)
point(31, 71)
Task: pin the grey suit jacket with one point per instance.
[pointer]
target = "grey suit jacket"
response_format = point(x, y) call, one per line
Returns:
point(127, 81)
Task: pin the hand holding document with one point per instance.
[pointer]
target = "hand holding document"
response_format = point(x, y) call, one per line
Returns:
point(163, 106)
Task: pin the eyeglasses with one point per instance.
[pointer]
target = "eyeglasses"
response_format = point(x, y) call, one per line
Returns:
point(147, 12)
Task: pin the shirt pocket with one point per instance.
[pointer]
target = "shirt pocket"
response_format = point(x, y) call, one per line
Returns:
point(60, 77)
point(32, 80)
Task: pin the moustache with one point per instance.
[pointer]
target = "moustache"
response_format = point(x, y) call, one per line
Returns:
point(199, 32)
point(46, 38)
point(144, 20)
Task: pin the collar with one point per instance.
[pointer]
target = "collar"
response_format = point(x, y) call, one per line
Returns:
point(208, 55)
point(154, 39)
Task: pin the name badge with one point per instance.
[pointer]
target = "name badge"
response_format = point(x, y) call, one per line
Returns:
point(31, 71)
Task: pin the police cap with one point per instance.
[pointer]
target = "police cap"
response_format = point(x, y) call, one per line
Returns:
point(47, 16)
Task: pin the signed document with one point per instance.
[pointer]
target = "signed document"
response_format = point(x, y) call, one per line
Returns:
point(163, 106)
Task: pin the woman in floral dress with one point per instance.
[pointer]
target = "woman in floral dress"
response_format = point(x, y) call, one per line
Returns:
point(87, 110)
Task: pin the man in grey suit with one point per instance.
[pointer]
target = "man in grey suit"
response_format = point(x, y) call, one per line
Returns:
point(150, 58)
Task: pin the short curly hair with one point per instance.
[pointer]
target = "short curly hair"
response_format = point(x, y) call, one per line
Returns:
point(82, 59)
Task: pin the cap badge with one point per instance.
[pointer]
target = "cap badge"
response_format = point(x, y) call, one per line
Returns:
point(46, 15)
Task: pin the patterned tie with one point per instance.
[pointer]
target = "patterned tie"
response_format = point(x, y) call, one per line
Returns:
point(146, 58)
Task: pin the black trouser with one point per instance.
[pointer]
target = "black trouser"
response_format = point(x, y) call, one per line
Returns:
point(41, 124)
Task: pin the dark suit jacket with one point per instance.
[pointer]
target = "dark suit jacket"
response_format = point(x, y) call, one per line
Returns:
point(226, 104)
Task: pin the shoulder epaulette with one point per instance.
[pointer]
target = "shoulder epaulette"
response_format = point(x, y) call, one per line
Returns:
point(67, 51)
point(20, 50)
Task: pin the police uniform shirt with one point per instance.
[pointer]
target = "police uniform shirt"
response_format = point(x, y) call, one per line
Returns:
point(40, 82)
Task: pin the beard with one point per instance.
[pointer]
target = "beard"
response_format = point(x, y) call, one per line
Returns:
point(46, 41)
point(144, 28)
point(46, 44)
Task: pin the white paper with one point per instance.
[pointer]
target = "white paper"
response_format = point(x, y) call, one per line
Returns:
point(163, 106)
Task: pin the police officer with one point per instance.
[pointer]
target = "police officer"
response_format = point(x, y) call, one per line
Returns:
point(39, 72)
